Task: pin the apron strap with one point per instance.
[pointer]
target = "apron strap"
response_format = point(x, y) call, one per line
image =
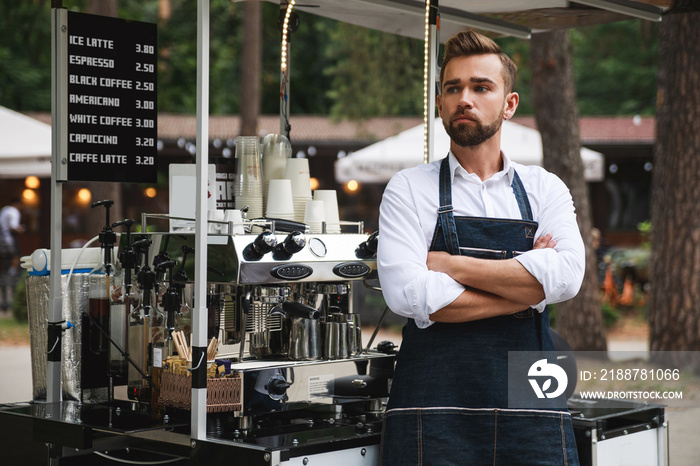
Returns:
point(446, 217)
point(521, 197)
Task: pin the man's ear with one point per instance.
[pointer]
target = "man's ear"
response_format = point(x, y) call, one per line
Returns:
point(511, 104)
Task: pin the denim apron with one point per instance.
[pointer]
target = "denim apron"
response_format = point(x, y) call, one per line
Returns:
point(449, 397)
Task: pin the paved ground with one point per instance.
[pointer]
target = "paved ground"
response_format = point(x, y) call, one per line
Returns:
point(16, 386)
point(16, 374)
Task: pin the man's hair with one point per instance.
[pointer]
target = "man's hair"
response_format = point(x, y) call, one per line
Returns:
point(467, 43)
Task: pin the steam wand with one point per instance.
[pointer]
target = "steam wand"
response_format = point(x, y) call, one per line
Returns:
point(107, 236)
point(146, 277)
point(171, 298)
point(127, 256)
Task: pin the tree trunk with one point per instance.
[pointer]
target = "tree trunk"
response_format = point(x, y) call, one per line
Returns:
point(102, 7)
point(579, 320)
point(251, 59)
point(674, 309)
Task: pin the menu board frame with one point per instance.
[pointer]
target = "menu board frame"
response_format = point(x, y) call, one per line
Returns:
point(109, 97)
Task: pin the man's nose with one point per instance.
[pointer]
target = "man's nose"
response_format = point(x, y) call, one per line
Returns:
point(465, 99)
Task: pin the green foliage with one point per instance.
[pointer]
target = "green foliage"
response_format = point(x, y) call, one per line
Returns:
point(373, 73)
point(552, 308)
point(645, 229)
point(616, 66)
point(337, 69)
point(25, 55)
point(610, 315)
point(519, 51)
point(19, 299)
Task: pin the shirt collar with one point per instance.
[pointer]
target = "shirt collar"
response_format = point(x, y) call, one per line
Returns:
point(455, 167)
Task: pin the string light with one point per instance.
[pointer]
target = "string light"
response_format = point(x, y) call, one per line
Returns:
point(285, 34)
point(426, 78)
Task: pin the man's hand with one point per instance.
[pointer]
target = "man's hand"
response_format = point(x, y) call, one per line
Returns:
point(545, 241)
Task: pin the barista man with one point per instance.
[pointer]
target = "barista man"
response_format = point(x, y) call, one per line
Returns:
point(440, 224)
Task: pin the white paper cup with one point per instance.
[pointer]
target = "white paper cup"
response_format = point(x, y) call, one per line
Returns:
point(300, 208)
point(279, 200)
point(330, 204)
point(298, 172)
point(314, 215)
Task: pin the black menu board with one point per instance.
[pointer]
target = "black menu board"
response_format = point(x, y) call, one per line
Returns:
point(112, 99)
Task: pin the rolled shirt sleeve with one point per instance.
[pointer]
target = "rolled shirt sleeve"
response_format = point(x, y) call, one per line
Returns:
point(560, 270)
point(409, 288)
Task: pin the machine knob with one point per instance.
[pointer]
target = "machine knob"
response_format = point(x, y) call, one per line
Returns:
point(386, 347)
point(367, 249)
point(264, 243)
point(277, 387)
point(292, 244)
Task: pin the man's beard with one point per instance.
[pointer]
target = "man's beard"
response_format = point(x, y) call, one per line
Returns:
point(466, 135)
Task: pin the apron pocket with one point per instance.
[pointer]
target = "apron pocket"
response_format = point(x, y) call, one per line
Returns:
point(481, 253)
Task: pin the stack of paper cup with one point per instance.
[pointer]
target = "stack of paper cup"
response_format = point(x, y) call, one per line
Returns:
point(314, 216)
point(279, 200)
point(276, 149)
point(298, 173)
point(249, 178)
point(330, 205)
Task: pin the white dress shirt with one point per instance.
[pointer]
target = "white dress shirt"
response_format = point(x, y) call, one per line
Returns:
point(408, 216)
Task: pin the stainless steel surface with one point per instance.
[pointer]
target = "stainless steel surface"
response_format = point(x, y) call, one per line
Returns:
point(335, 340)
point(354, 334)
point(304, 339)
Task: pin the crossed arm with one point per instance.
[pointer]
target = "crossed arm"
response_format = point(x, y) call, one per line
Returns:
point(496, 287)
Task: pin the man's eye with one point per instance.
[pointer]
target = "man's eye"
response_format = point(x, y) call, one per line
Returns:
point(452, 90)
point(482, 89)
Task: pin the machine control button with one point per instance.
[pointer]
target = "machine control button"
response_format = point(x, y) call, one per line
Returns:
point(294, 243)
point(351, 269)
point(264, 243)
point(291, 271)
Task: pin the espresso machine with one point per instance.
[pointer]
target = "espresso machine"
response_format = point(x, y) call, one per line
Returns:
point(280, 302)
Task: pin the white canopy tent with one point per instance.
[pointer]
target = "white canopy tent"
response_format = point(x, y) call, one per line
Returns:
point(378, 162)
point(25, 146)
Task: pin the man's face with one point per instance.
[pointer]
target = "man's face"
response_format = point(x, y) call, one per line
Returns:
point(473, 101)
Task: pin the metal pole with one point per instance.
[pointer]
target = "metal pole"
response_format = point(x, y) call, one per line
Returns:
point(284, 98)
point(59, 145)
point(199, 321)
point(432, 85)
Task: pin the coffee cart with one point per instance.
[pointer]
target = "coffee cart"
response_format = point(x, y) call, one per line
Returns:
point(292, 382)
